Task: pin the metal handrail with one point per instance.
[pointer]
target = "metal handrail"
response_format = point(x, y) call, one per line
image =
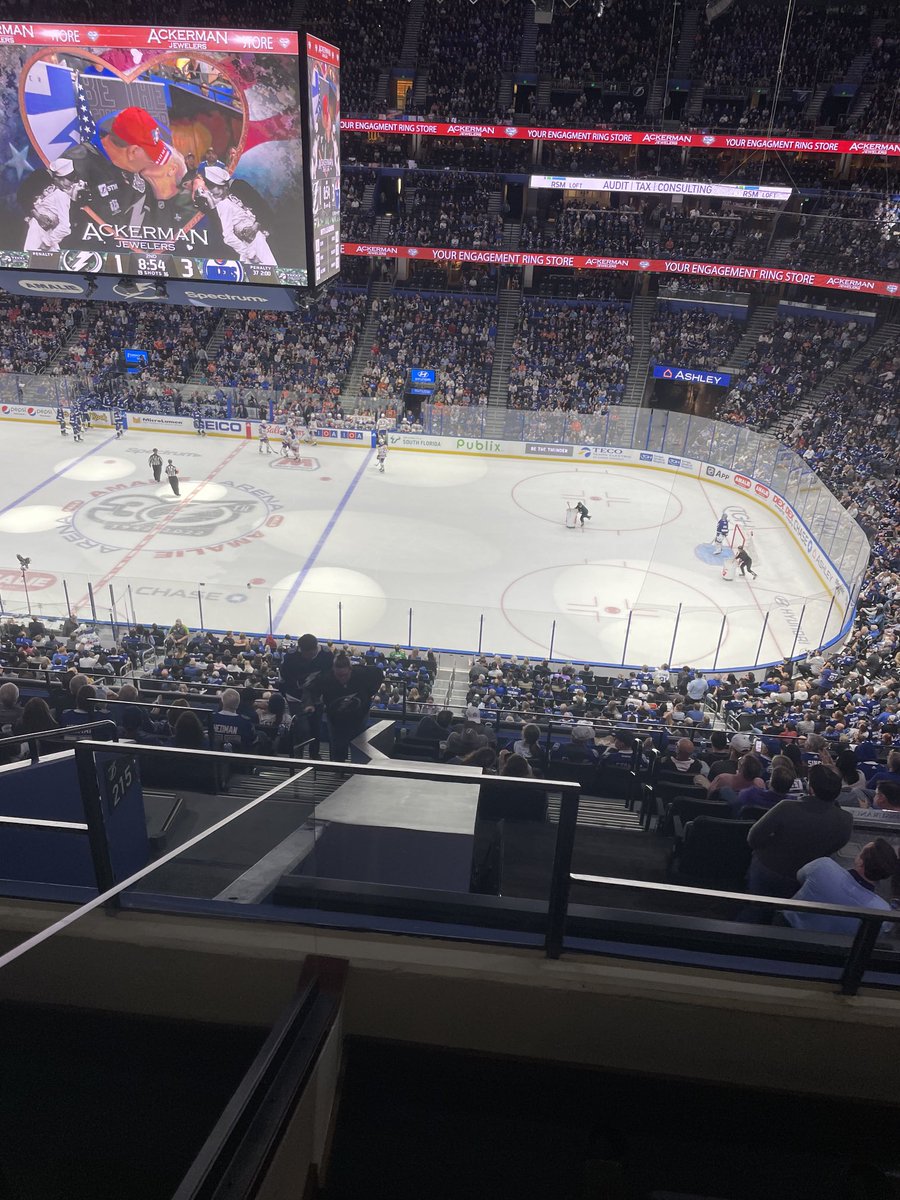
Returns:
point(61, 731)
point(871, 919)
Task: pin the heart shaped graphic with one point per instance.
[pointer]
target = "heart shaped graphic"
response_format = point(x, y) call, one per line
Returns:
point(61, 106)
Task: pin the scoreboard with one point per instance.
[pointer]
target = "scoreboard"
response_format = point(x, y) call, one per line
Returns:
point(195, 154)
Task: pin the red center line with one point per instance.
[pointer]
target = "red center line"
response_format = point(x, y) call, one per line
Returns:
point(160, 525)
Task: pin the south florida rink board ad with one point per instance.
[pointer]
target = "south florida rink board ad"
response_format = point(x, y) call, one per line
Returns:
point(152, 150)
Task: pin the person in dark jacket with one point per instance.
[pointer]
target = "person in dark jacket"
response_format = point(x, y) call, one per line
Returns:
point(795, 832)
point(581, 749)
point(434, 728)
point(299, 669)
point(346, 694)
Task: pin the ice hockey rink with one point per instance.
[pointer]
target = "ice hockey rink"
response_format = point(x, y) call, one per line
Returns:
point(454, 552)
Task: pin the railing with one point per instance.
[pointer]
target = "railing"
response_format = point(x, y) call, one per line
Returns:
point(858, 955)
point(423, 910)
point(60, 734)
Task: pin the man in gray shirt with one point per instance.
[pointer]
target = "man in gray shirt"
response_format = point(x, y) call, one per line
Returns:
point(795, 832)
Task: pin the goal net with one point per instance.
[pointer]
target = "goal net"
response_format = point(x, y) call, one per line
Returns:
point(741, 536)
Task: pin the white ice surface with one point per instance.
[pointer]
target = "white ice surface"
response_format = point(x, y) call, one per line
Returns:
point(476, 548)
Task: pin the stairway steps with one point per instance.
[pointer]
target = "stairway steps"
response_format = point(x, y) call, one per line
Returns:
point(681, 68)
point(642, 310)
point(507, 319)
point(597, 813)
point(350, 389)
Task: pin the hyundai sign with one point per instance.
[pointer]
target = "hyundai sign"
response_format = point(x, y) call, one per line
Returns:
point(421, 375)
point(690, 375)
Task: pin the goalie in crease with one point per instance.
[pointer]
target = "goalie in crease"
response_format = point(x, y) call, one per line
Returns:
point(721, 533)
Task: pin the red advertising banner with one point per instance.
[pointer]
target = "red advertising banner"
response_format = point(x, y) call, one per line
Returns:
point(663, 266)
point(322, 51)
point(147, 37)
point(625, 137)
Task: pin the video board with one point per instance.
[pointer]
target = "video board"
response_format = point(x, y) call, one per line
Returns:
point(158, 151)
point(323, 75)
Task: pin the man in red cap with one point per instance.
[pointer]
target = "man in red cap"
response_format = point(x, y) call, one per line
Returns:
point(128, 175)
point(133, 141)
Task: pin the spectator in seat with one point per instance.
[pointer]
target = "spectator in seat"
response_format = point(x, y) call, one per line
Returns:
point(795, 832)
point(189, 733)
point(717, 751)
point(274, 723)
point(891, 772)
point(508, 802)
point(132, 725)
point(434, 728)
point(581, 749)
point(11, 711)
point(83, 712)
point(748, 775)
point(737, 747)
point(231, 730)
point(885, 802)
point(36, 717)
point(179, 635)
point(464, 741)
point(698, 687)
point(823, 881)
point(853, 780)
point(529, 747)
point(683, 760)
point(780, 783)
point(621, 753)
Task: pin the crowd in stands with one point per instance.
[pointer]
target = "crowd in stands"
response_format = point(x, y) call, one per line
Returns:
point(455, 277)
point(175, 338)
point(447, 210)
point(693, 336)
point(570, 356)
point(635, 229)
point(453, 336)
point(464, 48)
point(34, 331)
point(369, 34)
point(881, 113)
point(850, 441)
point(582, 110)
point(578, 46)
point(356, 221)
point(851, 234)
point(787, 362)
point(741, 48)
point(309, 351)
point(198, 690)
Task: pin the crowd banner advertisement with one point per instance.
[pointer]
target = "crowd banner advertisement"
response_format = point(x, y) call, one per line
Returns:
point(691, 375)
point(624, 137)
point(667, 187)
point(661, 266)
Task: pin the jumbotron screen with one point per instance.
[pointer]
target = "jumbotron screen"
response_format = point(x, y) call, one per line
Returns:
point(153, 151)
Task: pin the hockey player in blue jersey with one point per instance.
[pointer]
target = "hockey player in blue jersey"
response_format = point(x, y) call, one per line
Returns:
point(61, 420)
point(76, 423)
point(721, 533)
point(118, 422)
point(198, 422)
